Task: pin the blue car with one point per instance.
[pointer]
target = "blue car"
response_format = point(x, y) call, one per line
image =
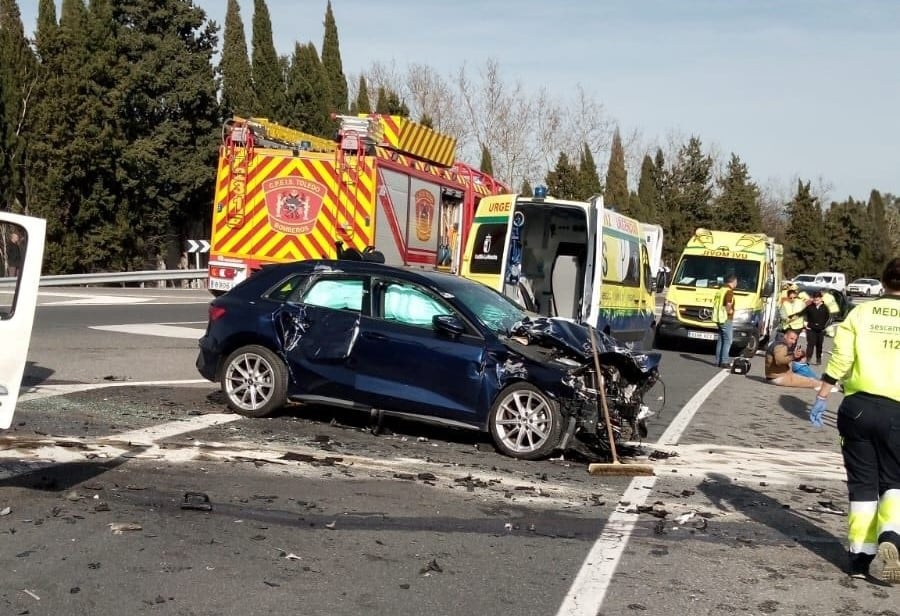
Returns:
point(403, 342)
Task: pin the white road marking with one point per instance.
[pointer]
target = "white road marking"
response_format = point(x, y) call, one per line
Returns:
point(153, 329)
point(48, 391)
point(589, 588)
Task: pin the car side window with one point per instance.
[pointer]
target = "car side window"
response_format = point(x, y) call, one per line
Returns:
point(336, 293)
point(411, 305)
point(283, 291)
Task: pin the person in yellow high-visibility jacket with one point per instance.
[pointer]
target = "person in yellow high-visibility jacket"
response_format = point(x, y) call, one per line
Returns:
point(791, 310)
point(723, 315)
point(866, 357)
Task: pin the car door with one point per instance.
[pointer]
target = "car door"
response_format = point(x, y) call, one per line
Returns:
point(22, 248)
point(404, 363)
point(328, 307)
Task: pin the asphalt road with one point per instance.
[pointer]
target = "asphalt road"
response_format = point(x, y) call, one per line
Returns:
point(312, 513)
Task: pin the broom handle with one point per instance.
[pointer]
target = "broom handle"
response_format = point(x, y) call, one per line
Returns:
point(602, 391)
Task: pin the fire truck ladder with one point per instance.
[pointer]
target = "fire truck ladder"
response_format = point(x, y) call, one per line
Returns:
point(355, 137)
point(239, 142)
point(269, 134)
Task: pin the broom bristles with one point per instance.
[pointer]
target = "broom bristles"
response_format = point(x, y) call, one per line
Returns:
point(617, 468)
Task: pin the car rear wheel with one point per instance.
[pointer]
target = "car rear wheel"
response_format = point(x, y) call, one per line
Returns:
point(254, 380)
point(525, 423)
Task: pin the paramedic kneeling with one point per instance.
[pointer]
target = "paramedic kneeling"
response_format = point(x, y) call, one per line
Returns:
point(866, 357)
point(779, 357)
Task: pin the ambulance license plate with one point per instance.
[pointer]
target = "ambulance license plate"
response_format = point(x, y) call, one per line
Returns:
point(703, 335)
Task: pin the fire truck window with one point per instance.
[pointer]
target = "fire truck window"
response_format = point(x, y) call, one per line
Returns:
point(487, 256)
point(336, 293)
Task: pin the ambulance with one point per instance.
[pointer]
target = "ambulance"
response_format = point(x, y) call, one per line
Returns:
point(707, 260)
point(569, 259)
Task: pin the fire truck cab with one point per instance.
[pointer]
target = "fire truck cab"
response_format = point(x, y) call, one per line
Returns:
point(386, 187)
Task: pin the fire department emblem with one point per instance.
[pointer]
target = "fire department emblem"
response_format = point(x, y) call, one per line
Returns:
point(293, 204)
point(424, 214)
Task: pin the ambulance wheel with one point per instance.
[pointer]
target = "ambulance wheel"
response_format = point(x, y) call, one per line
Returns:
point(254, 381)
point(525, 423)
point(752, 345)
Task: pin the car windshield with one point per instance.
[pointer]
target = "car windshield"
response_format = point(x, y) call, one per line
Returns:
point(710, 272)
point(864, 281)
point(804, 278)
point(497, 312)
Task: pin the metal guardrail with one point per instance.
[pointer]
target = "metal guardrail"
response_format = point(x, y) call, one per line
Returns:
point(148, 276)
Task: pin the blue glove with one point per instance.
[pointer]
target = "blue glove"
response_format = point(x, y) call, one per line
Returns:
point(817, 412)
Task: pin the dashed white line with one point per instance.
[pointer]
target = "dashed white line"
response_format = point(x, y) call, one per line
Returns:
point(588, 590)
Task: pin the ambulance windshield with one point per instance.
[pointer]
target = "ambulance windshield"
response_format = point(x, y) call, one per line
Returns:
point(700, 271)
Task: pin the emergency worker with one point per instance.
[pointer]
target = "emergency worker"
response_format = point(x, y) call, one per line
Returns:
point(791, 310)
point(723, 315)
point(866, 357)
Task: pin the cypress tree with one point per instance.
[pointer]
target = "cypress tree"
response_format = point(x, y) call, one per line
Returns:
point(526, 190)
point(17, 82)
point(689, 191)
point(847, 247)
point(362, 97)
point(648, 191)
point(390, 103)
point(308, 93)
point(879, 239)
point(588, 179)
point(331, 59)
point(616, 194)
point(268, 79)
point(803, 252)
point(487, 165)
point(238, 93)
point(737, 207)
point(562, 181)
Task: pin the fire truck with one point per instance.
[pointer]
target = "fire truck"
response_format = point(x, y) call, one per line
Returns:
point(385, 188)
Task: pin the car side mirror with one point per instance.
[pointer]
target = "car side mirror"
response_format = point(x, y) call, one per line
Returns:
point(448, 324)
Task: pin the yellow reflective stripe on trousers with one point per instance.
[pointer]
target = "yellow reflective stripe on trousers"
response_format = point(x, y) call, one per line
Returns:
point(862, 527)
point(889, 512)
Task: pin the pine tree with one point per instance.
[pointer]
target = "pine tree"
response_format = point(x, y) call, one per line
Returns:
point(268, 80)
point(737, 207)
point(648, 192)
point(804, 251)
point(331, 59)
point(309, 98)
point(588, 180)
point(526, 190)
point(844, 226)
point(390, 103)
point(362, 96)
point(487, 165)
point(562, 181)
point(18, 68)
point(616, 194)
point(688, 192)
point(238, 93)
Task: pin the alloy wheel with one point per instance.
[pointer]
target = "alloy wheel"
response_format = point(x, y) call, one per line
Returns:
point(249, 381)
point(524, 421)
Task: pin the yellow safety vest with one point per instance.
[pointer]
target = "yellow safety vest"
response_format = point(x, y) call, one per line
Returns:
point(720, 315)
point(866, 353)
point(789, 308)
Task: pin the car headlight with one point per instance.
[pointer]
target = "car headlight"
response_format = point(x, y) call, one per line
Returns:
point(669, 309)
point(743, 315)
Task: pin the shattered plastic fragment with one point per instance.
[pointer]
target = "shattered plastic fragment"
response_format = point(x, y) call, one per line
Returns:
point(5, 511)
point(120, 527)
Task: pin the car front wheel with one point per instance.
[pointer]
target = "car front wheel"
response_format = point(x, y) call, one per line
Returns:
point(525, 423)
point(254, 380)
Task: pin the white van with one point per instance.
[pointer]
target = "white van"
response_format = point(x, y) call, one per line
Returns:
point(832, 280)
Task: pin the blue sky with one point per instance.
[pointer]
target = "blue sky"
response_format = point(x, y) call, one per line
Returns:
point(794, 87)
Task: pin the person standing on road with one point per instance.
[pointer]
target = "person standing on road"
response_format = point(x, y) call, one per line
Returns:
point(13, 255)
point(723, 314)
point(791, 310)
point(866, 357)
point(817, 318)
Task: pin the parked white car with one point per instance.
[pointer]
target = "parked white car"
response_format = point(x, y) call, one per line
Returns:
point(865, 286)
point(802, 279)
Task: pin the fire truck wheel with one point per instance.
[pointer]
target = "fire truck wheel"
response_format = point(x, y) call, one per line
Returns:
point(525, 423)
point(254, 380)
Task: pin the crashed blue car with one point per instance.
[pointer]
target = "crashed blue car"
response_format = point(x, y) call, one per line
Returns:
point(418, 344)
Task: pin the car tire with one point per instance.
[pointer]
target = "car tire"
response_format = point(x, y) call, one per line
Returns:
point(868, 292)
point(525, 423)
point(749, 349)
point(254, 381)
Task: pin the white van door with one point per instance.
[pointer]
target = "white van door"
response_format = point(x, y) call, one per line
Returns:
point(22, 248)
point(593, 275)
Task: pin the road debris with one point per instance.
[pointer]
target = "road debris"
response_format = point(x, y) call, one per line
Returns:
point(197, 501)
point(331, 525)
point(810, 489)
point(432, 566)
point(826, 507)
point(5, 511)
point(119, 528)
point(288, 555)
point(31, 594)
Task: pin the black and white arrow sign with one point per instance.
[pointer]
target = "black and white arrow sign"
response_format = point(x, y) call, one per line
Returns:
point(198, 245)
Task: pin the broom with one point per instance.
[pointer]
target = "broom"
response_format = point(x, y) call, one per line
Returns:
point(615, 467)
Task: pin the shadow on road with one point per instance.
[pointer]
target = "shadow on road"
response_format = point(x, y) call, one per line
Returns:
point(59, 477)
point(776, 515)
point(35, 375)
